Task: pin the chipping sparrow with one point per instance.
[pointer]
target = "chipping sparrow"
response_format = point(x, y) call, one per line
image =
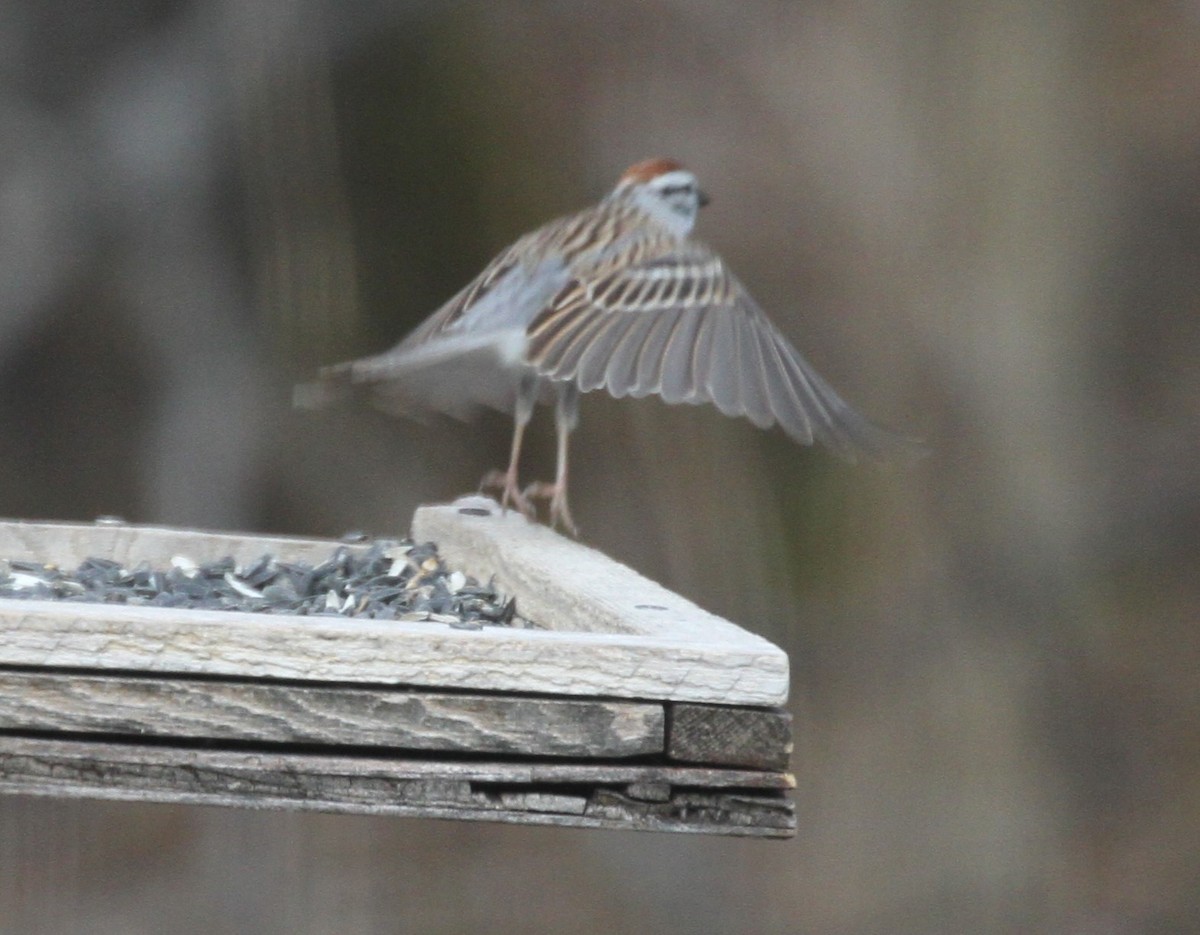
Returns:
point(619, 297)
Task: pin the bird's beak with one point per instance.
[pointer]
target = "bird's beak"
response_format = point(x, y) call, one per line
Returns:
point(703, 197)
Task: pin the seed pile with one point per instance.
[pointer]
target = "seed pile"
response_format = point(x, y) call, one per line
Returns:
point(388, 581)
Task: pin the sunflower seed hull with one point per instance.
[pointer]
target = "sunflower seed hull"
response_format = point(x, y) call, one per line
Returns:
point(388, 581)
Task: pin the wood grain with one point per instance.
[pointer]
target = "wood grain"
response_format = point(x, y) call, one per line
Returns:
point(618, 635)
point(68, 544)
point(734, 802)
point(265, 712)
point(563, 584)
point(753, 737)
point(530, 726)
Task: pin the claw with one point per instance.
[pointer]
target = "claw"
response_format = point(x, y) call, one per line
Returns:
point(505, 483)
point(560, 513)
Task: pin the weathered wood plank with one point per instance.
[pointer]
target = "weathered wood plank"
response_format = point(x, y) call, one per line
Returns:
point(136, 757)
point(612, 635)
point(728, 736)
point(161, 640)
point(659, 646)
point(280, 713)
point(559, 583)
point(68, 544)
point(562, 584)
point(701, 800)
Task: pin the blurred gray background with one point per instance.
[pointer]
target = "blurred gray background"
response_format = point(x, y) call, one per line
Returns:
point(980, 221)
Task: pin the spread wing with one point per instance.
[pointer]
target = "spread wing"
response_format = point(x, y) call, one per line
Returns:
point(466, 354)
point(452, 313)
point(679, 325)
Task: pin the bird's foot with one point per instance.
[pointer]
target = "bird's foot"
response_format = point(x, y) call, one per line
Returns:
point(560, 514)
point(505, 483)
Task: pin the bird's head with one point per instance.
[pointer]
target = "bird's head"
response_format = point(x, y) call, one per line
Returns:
point(665, 190)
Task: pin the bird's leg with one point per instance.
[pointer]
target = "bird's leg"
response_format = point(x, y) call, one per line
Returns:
point(566, 418)
point(506, 482)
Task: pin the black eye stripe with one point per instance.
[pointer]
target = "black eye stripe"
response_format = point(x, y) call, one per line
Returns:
point(676, 189)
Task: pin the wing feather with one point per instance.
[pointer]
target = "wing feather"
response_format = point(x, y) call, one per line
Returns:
point(785, 401)
point(679, 325)
point(701, 349)
point(621, 374)
point(653, 349)
point(573, 339)
point(678, 373)
point(449, 314)
point(717, 369)
point(753, 373)
point(608, 332)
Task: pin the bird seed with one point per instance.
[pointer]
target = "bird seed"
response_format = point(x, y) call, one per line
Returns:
point(388, 581)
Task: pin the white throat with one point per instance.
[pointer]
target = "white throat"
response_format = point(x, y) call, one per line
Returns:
point(672, 199)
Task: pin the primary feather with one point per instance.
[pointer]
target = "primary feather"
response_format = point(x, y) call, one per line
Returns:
point(617, 297)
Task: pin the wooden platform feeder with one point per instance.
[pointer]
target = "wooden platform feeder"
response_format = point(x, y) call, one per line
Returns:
point(628, 707)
